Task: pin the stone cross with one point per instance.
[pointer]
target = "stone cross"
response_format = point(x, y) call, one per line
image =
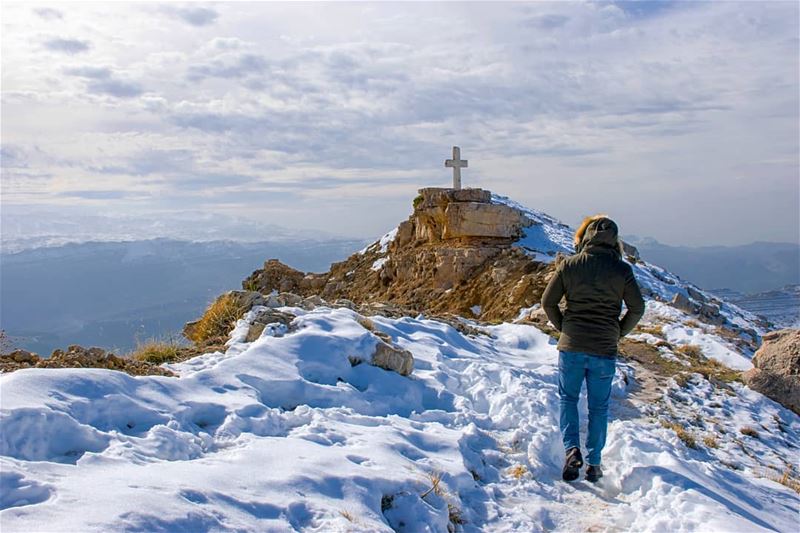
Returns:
point(456, 164)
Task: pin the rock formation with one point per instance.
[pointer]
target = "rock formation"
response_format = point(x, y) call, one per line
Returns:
point(777, 368)
point(454, 254)
point(78, 357)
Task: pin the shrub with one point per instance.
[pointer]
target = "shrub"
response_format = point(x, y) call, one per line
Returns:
point(692, 351)
point(218, 320)
point(157, 352)
point(750, 432)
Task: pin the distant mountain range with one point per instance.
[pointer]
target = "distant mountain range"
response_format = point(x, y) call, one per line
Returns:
point(28, 227)
point(110, 294)
point(749, 268)
point(781, 306)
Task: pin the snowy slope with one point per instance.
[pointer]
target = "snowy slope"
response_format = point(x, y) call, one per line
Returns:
point(284, 434)
point(549, 236)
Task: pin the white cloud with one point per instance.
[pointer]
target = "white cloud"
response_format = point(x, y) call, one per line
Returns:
point(570, 107)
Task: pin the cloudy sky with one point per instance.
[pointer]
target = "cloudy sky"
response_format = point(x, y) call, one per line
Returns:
point(678, 119)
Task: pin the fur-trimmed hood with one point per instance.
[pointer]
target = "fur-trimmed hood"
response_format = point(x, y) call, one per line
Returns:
point(598, 230)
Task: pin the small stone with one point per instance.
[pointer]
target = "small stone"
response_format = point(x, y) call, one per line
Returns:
point(291, 299)
point(344, 302)
point(254, 332)
point(274, 300)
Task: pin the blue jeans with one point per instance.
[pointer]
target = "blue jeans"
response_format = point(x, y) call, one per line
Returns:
point(573, 368)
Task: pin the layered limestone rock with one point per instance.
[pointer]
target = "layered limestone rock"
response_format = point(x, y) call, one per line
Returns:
point(461, 215)
point(454, 254)
point(777, 368)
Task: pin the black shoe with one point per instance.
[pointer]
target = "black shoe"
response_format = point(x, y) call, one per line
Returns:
point(594, 473)
point(572, 464)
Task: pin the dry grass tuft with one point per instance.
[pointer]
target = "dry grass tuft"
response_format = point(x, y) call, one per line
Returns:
point(750, 432)
point(787, 478)
point(653, 329)
point(517, 471)
point(218, 320)
point(348, 515)
point(710, 441)
point(454, 514)
point(692, 351)
point(436, 484)
point(683, 434)
point(682, 379)
point(157, 352)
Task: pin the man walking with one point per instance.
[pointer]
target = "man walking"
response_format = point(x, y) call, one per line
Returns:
point(595, 281)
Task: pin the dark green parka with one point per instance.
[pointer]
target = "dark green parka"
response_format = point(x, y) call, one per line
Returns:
point(595, 281)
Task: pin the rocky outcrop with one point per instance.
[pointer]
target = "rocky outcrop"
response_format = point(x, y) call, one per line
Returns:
point(777, 368)
point(459, 253)
point(78, 357)
point(454, 254)
point(696, 303)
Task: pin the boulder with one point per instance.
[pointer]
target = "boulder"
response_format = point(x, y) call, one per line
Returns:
point(245, 299)
point(274, 300)
point(695, 294)
point(23, 356)
point(291, 299)
point(393, 358)
point(344, 302)
point(312, 301)
point(777, 368)
point(682, 302)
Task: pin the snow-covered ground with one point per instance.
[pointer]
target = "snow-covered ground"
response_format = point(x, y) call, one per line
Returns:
point(284, 434)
